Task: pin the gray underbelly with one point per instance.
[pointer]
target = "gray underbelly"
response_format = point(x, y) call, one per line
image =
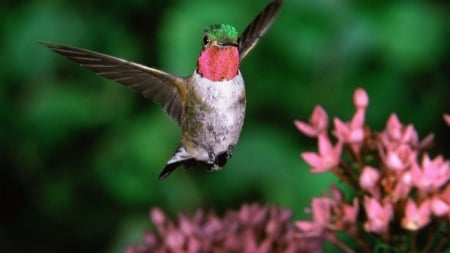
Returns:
point(213, 131)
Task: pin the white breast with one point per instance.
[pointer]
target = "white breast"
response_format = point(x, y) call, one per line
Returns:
point(221, 94)
point(219, 115)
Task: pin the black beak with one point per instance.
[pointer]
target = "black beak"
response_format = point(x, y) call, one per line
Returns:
point(229, 44)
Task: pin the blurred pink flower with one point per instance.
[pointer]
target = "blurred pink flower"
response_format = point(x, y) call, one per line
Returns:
point(336, 194)
point(378, 216)
point(327, 158)
point(432, 174)
point(309, 228)
point(439, 207)
point(330, 214)
point(353, 131)
point(343, 215)
point(369, 179)
point(416, 217)
point(350, 212)
point(321, 209)
point(396, 132)
point(360, 101)
point(447, 119)
point(445, 195)
point(398, 158)
point(253, 228)
point(402, 186)
point(318, 123)
point(360, 98)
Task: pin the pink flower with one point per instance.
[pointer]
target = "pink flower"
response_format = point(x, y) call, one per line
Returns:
point(369, 180)
point(378, 216)
point(397, 133)
point(353, 132)
point(158, 217)
point(360, 98)
point(402, 187)
point(360, 101)
point(330, 214)
point(341, 215)
point(318, 123)
point(439, 207)
point(350, 212)
point(321, 208)
point(398, 158)
point(309, 228)
point(349, 132)
point(416, 217)
point(327, 158)
point(447, 119)
point(445, 195)
point(432, 175)
point(336, 194)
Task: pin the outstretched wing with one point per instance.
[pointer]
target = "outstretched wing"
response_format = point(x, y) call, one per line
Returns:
point(164, 88)
point(258, 27)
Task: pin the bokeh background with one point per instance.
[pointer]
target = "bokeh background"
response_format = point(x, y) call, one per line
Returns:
point(80, 155)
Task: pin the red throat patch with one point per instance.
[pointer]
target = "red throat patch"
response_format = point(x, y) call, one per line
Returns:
point(218, 64)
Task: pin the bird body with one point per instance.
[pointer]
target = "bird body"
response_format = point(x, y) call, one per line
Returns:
point(209, 105)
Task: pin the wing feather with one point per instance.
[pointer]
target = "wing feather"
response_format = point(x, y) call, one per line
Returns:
point(163, 88)
point(258, 27)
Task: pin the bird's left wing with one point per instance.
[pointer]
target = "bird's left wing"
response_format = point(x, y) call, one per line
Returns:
point(165, 89)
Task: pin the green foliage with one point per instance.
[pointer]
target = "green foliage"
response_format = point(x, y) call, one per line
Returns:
point(80, 155)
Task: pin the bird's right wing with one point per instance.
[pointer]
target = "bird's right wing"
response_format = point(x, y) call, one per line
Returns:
point(256, 29)
point(163, 88)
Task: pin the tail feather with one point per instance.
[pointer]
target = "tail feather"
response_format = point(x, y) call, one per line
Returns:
point(181, 157)
point(168, 169)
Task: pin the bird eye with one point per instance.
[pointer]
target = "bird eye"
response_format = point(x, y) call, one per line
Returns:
point(205, 40)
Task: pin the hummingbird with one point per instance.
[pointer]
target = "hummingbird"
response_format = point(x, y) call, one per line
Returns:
point(208, 105)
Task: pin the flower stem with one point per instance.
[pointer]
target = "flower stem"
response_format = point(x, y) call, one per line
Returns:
point(413, 241)
point(342, 246)
point(431, 236)
point(345, 175)
point(361, 242)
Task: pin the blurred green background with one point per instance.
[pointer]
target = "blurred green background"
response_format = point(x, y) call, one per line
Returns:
point(80, 154)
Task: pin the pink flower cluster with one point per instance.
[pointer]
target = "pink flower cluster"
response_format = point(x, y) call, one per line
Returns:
point(398, 186)
point(252, 229)
point(401, 200)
